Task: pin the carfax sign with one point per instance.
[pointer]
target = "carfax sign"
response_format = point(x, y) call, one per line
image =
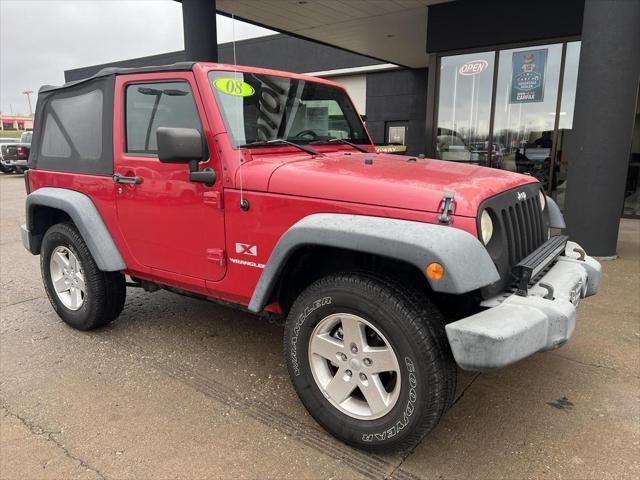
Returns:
point(527, 81)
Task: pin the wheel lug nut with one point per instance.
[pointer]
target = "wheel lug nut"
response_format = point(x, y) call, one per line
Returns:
point(363, 377)
point(354, 349)
point(348, 373)
point(367, 362)
point(342, 356)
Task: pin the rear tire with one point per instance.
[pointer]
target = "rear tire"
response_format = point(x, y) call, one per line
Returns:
point(82, 295)
point(416, 383)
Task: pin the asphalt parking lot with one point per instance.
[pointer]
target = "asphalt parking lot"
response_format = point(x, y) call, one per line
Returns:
point(181, 388)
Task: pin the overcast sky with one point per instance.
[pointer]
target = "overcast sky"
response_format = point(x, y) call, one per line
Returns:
point(40, 39)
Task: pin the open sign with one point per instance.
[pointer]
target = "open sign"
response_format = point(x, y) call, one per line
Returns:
point(473, 67)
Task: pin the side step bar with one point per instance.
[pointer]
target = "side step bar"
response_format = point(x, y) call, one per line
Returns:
point(537, 261)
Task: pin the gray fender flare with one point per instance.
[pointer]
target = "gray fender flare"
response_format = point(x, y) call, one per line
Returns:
point(467, 263)
point(87, 219)
point(556, 219)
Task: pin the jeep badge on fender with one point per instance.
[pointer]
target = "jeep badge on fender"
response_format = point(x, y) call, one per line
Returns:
point(263, 189)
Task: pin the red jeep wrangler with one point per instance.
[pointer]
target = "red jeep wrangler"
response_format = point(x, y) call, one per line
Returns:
point(262, 189)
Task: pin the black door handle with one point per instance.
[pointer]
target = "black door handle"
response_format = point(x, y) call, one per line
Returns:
point(127, 180)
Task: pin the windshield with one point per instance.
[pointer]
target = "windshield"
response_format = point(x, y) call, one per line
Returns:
point(26, 137)
point(258, 108)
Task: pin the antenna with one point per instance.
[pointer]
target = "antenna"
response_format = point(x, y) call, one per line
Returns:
point(244, 204)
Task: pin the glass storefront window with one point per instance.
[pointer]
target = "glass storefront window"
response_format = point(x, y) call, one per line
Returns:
point(632, 188)
point(530, 123)
point(525, 112)
point(464, 107)
point(565, 123)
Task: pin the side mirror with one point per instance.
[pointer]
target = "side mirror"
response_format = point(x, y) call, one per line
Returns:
point(179, 145)
point(184, 145)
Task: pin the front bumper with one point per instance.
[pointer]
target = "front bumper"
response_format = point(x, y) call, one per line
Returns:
point(514, 327)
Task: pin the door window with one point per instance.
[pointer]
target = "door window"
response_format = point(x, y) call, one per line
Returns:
point(153, 105)
point(464, 107)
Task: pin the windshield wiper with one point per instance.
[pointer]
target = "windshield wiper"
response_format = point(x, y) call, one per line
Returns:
point(340, 140)
point(277, 141)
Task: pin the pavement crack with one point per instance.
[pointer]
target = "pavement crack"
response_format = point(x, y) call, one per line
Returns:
point(398, 473)
point(23, 301)
point(464, 390)
point(587, 364)
point(49, 435)
point(368, 465)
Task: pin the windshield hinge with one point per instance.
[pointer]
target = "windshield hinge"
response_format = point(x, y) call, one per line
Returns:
point(446, 207)
point(213, 199)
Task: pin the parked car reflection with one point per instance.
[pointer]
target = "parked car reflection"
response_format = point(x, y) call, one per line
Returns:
point(451, 145)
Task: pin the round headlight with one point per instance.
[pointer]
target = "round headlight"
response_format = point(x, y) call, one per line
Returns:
point(542, 199)
point(486, 227)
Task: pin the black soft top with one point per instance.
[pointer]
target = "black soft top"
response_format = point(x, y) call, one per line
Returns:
point(105, 72)
point(73, 124)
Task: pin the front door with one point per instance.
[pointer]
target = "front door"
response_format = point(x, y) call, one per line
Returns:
point(170, 224)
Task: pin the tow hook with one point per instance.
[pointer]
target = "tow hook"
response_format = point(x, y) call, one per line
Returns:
point(446, 207)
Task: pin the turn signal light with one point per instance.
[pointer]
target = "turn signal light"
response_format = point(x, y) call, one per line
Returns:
point(435, 271)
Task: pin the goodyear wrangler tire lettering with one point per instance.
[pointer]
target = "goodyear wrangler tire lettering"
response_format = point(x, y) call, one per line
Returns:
point(296, 330)
point(414, 331)
point(233, 86)
point(406, 414)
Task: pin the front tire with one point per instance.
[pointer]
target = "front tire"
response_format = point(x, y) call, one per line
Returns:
point(369, 360)
point(82, 295)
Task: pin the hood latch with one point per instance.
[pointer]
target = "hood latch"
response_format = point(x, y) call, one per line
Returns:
point(446, 207)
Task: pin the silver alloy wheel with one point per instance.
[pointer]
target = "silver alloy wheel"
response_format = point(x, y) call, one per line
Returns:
point(359, 379)
point(67, 277)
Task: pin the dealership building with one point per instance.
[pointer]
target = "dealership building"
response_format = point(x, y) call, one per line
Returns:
point(546, 88)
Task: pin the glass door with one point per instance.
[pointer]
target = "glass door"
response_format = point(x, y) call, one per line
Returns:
point(464, 107)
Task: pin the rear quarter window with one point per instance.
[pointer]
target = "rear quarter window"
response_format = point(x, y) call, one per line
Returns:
point(73, 127)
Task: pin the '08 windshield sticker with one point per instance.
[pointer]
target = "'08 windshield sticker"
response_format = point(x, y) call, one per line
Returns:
point(233, 86)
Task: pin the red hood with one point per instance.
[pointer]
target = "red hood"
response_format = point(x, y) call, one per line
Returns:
point(390, 181)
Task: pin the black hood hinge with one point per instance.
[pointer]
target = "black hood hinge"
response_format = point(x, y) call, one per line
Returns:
point(446, 207)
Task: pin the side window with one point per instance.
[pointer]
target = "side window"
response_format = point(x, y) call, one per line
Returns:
point(152, 105)
point(73, 127)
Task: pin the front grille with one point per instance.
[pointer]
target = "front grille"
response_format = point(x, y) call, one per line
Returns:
point(524, 228)
point(520, 226)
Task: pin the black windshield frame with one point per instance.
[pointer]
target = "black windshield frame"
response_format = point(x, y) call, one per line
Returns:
point(286, 108)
